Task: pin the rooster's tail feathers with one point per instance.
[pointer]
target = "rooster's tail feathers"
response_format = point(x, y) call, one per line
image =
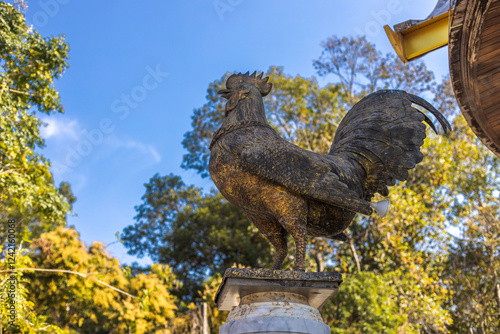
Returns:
point(441, 119)
point(383, 133)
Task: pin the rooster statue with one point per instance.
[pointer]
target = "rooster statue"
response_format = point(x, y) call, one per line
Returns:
point(284, 189)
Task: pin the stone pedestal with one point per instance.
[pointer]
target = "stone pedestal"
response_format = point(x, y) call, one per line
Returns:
point(265, 301)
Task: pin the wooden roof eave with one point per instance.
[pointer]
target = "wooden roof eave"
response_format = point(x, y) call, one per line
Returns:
point(464, 54)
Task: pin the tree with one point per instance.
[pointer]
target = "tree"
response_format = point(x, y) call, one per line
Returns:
point(29, 65)
point(65, 190)
point(361, 69)
point(196, 234)
point(365, 304)
point(29, 202)
point(473, 267)
point(83, 289)
point(17, 311)
point(474, 271)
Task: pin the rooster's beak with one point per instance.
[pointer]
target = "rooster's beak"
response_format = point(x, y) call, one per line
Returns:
point(225, 93)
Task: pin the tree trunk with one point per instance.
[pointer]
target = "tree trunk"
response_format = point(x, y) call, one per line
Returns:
point(205, 329)
point(319, 261)
point(498, 298)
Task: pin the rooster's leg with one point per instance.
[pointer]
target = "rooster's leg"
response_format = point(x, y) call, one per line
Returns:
point(298, 230)
point(281, 250)
point(277, 236)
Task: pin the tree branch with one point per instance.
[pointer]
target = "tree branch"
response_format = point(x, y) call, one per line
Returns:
point(498, 295)
point(19, 92)
point(461, 239)
point(71, 272)
point(354, 255)
point(319, 261)
point(9, 171)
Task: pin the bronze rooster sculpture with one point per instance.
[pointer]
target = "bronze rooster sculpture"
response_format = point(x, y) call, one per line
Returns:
point(284, 189)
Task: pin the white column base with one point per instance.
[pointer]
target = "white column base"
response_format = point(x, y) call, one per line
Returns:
point(273, 313)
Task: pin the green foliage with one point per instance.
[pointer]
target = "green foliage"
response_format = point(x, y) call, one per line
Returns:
point(65, 190)
point(196, 234)
point(63, 286)
point(14, 284)
point(140, 304)
point(365, 304)
point(474, 270)
point(29, 65)
point(473, 263)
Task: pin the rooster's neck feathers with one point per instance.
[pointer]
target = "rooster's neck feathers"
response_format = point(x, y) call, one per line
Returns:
point(249, 107)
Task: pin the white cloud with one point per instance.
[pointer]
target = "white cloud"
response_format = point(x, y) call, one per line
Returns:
point(72, 130)
point(116, 143)
point(65, 129)
point(75, 145)
point(148, 149)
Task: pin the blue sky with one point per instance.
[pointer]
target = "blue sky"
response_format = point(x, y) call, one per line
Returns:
point(137, 69)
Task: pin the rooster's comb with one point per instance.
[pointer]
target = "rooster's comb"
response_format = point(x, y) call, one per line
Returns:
point(261, 83)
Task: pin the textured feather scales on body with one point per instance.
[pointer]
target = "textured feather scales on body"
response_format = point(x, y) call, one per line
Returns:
point(304, 172)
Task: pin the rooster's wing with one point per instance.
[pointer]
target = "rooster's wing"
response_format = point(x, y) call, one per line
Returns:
point(301, 171)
